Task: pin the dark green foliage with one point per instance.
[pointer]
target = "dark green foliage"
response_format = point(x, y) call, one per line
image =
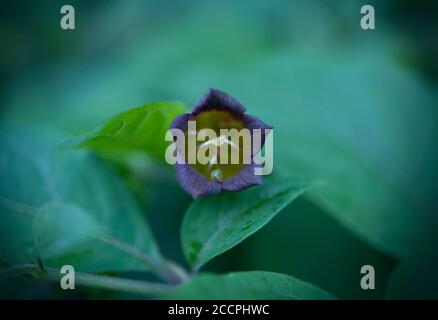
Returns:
point(82, 176)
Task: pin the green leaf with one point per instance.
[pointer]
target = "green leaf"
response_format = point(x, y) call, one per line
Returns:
point(257, 285)
point(60, 228)
point(368, 130)
point(66, 208)
point(214, 224)
point(301, 239)
point(138, 131)
point(415, 278)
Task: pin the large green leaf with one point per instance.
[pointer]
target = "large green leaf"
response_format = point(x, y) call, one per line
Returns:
point(66, 208)
point(138, 131)
point(59, 229)
point(215, 224)
point(302, 239)
point(255, 285)
point(360, 122)
point(415, 278)
point(369, 132)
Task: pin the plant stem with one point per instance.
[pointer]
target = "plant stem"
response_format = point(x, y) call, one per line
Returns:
point(169, 272)
point(97, 281)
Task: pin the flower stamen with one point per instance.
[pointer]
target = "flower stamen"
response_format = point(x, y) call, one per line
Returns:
point(216, 174)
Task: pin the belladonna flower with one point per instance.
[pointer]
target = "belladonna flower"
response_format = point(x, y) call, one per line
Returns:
point(217, 110)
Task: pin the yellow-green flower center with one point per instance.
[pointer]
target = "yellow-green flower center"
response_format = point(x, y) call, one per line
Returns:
point(215, 169)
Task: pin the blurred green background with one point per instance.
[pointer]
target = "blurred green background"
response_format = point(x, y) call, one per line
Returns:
point(355, 108)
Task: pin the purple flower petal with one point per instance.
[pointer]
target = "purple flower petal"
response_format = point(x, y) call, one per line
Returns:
point(251, 123)
point(244, 179)
point(194, 182)
point(180, 122)
point(218, 100)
